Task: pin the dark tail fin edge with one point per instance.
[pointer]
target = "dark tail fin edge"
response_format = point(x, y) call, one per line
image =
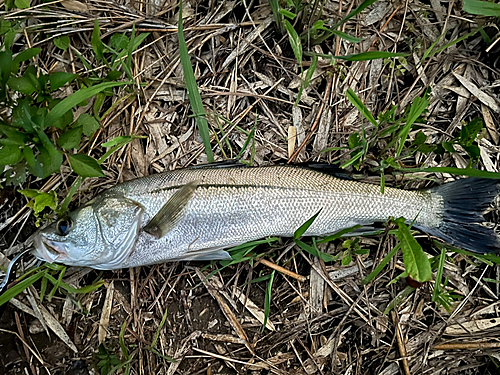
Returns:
point(465, 201)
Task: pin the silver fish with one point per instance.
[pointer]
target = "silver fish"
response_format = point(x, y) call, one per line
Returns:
point(196, 213)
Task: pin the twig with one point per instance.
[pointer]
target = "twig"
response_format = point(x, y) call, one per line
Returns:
point(401, 345)
point(468, 345)
point(282, 270)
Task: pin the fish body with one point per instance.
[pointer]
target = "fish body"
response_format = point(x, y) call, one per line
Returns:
point(218, 208)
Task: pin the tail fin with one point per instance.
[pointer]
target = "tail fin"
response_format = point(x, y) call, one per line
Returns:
point(465, 202)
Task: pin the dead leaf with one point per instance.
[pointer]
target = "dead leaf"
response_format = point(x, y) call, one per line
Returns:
point(75, 5)
point(472, 326)
point(106, 312)
point(292, 136)
point(478, 93)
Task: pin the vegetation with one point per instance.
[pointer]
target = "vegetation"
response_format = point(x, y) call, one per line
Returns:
point(120, 97)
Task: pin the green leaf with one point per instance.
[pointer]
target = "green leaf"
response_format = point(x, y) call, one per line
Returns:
point(22, 4)
point(68, 103)
point(295, 41)
point(416, 262)
point(192, 89)
point(70, 139)
point(22, 84)
point(356, 101)
point(49, 157)
point(287, 14)
point(346, 259)
point(62, 42)
point(5, 65)
point(96, 42)
point(417, 108)
point(29, 193)
point(118, 141)
point(9, 37)
point(43, 200)
point(5, 26)
point(26, 55)
point(439, 275)
point(14, 136)
point(482, 8)
point(398, 299)
point(10, 155)
point(29, 156)
point(118, 41)
point(88, 123)
point(85, 166)
point(304, 227)
point(59, 79)
point(63, 121)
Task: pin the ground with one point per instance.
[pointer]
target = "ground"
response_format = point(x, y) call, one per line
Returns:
point(248, 76)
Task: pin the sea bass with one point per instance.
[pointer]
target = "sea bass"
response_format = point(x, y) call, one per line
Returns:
point(196, 213)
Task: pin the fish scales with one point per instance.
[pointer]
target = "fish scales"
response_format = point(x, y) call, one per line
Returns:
point(232, 206)
point(196, 213)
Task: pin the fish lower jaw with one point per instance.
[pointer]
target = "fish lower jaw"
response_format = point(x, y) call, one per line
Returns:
point(46, 250)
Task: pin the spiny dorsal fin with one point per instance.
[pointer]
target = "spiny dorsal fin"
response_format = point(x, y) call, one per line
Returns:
point(171, 213)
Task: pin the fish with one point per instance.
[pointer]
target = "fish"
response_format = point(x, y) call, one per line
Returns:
point(198, 213)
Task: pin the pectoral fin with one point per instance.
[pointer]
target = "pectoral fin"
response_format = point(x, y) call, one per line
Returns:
point(171, 213)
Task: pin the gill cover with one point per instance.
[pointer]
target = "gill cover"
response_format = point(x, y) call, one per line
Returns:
point(119, 221)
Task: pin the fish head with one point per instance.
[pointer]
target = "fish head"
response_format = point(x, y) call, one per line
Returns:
point(100, 234)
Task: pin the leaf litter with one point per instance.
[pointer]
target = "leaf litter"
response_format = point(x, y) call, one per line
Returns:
point(249, 76)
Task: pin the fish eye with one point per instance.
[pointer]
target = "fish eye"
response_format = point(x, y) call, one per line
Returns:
point(64, 225)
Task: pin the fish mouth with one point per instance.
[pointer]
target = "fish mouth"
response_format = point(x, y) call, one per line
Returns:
point(48, 250)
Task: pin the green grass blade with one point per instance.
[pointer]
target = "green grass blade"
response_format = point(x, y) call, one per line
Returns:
point(19, 287)
point(398, 299)
point(121, 339)
point(339, 234)
point(65, 105)
point(295, 41)
point(439, 275)
point(304, 227)
point(382, 264)
point(157, 334)
point(278, 17)
point(267, 301)
point(356, 101)
point(345, 36)
point(192, 89)
point(417, 108)
point(482, 8)
point(247, 142)
point(365, 4)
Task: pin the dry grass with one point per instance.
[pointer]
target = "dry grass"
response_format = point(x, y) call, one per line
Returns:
point(247, 74)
